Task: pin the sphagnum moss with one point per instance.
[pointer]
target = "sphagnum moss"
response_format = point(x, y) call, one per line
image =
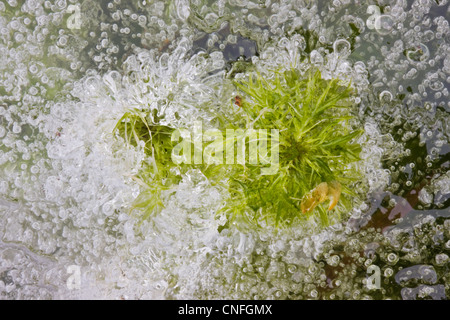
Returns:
point(316, 149)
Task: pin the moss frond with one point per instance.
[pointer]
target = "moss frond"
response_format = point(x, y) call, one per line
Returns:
point(316, 147)
point(157, 175)
point(316, 143)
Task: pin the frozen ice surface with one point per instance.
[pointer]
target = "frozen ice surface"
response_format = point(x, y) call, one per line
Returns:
point(66, 182)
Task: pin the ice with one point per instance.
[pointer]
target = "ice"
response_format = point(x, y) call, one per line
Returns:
point(66, 181)
point(436, 292)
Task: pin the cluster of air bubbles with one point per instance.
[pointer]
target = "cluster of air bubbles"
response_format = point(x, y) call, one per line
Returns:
point(385, 24)
point(340, 270)
point(437, 192)
point(153, 85)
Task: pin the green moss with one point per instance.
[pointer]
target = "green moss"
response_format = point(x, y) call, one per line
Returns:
point(316, 145)
point(316, 148)
point(156, 176)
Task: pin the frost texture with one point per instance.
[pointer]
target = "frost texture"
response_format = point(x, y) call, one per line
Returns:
point(65, 180)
